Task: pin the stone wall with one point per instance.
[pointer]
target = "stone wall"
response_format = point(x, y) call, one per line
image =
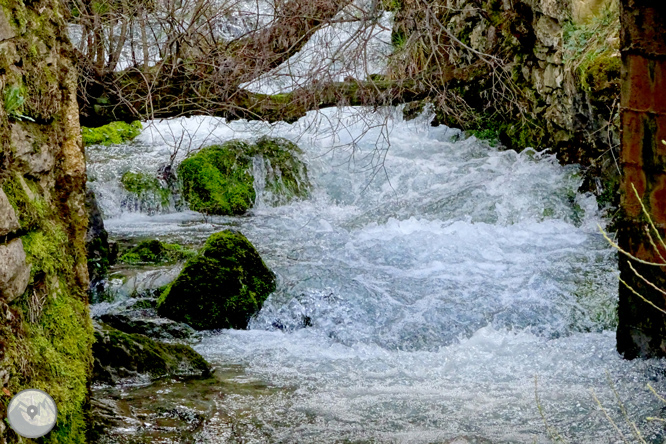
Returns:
point(557, 86)
point(45, 330)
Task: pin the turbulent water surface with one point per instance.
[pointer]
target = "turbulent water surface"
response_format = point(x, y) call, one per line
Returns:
point(426, 289)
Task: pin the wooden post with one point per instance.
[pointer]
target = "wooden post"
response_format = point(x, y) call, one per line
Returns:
point(642, 328)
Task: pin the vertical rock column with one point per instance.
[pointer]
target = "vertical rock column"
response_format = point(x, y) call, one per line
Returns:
point(45, 329)
point(642, 327)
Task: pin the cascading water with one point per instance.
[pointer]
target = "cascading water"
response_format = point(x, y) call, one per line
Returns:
point(422, 289)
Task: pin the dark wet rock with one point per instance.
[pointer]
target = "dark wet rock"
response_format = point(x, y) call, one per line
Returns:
point(153, 327)
point(222, 287)
point(101, 253)
point(144, 303)
point(119, 355)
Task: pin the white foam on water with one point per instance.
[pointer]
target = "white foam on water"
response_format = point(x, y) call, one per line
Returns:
point(421, 288)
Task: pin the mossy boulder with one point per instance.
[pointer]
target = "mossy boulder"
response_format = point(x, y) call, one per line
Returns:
point(222, 287)
point(112, 134)
point(156, 252)
point(147, 189)
point(121, 355)
point(286, 175)
point(161, 329)
point(218, 179)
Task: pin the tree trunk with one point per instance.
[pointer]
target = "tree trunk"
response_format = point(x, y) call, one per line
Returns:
point(642, 327)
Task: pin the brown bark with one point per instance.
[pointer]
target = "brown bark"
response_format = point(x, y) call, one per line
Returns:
point(642, 327)
point(200, 79)
point(176, 101)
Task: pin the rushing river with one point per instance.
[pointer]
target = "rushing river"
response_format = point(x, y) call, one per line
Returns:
point(426, 289)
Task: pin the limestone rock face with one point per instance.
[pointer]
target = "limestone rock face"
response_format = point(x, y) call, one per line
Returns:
point(564, 83)
point(37, 154)
point(8, 220)
point(14, 272)
point(584, 10)
point(6, 30)
point(548, 31)
point(43, 269)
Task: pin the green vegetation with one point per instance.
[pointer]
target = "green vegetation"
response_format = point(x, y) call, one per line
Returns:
point(222, 287)
point(145, 186)
point(592, 49)
point(489, 135)
point(287, 175)
point(218, 179)
point(112, 134)
point(49, 346)
point(14, 103)
point(156, 252)
point(495, 131)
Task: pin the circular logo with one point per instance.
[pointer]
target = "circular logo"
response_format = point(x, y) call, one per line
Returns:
point(32, 413)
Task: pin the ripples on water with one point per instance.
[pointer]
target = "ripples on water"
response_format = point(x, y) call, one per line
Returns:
point(421, 288)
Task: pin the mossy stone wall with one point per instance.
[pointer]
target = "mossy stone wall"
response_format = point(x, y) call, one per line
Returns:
point(558, 84)
point(45, 331)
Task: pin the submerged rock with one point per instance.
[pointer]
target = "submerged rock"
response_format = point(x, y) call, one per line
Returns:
point(218, 179)
point(222, 287)
point(156, 252)
point(119, 355)
point(153, 327)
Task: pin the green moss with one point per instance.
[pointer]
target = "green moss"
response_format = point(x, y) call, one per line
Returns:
point(287, 175)
point(490, 135)
point(592, 49)
point(222, 287)
point(50, 346)
point(118, 354)
point(30, 211)
point(601, 72)
point(610, 195)
point(112, 134)
point(59, 346)
point(145, 186)
point(53, 353)
point(218, 179)
point(156, 252)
